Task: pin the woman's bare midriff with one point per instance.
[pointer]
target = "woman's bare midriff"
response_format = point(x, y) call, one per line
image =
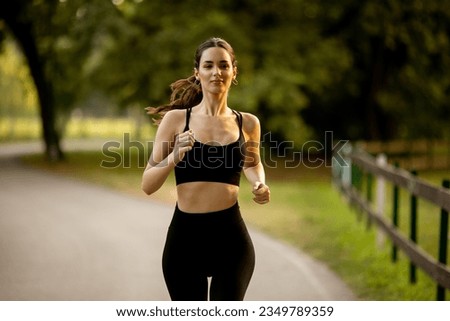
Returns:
point(205, 197)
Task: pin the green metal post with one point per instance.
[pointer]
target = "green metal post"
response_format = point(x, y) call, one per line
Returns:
point(443, 242)
point(413, 233)
point(369, 187)
point(395, 219)
point(395, 216)
point(356, 177)
point(356, 183)
point(369, 196)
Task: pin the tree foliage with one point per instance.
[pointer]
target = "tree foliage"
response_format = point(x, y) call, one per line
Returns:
point(16, 88)
point(362, 69)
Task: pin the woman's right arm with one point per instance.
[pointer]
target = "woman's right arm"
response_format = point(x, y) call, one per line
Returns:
point(168, 149)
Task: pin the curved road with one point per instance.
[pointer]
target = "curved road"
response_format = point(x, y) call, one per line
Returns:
point(61, 239)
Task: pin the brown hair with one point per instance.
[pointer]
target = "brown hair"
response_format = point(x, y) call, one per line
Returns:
point(187, 92)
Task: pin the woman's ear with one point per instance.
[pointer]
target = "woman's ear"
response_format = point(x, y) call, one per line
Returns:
point(196, 74)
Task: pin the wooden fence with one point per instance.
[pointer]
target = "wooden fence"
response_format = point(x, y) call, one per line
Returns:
point(347, 171)
point(418, 154)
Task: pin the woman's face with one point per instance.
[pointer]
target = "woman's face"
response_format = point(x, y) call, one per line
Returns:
point(215, 70)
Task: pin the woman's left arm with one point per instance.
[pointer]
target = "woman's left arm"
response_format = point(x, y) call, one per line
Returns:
point(253, 168)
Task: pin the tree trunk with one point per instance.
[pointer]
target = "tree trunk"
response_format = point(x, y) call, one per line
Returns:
point(22, 30)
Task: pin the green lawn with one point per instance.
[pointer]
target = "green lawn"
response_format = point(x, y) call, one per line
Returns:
point(305, 210)
point(29, 128)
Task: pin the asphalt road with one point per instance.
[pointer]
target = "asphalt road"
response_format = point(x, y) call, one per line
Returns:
point(61, 239)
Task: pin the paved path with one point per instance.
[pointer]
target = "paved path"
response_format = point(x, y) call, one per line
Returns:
point(61, 239)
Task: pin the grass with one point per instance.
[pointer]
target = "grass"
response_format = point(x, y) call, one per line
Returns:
point(29, 128)
point(305, 211)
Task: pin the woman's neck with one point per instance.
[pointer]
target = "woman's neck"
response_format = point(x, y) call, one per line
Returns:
point(213, 105)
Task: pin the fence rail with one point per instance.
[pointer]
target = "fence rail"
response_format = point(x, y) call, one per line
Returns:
point(416, 154)
point(357, 158)
point(437, 195)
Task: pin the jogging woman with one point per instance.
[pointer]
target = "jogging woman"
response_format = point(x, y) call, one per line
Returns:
point(208, 145)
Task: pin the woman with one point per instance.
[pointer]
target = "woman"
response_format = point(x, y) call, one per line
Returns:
point(207, 144)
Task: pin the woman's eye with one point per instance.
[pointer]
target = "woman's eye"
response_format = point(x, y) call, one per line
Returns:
point(225, 66)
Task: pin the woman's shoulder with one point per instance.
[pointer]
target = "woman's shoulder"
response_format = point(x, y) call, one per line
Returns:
point(173, 120)
point(249, 121)
point(174, 116)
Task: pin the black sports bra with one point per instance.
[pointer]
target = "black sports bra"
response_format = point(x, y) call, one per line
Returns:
point(208, 163)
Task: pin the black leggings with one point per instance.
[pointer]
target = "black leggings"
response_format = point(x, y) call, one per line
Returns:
point(202, 245)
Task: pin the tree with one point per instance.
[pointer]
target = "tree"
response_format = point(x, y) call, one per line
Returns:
point(362, 69)
point(17, 16)
point(59, 40)
point(397, 85)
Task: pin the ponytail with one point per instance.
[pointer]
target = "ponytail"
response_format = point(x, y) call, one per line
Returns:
point(186, 93)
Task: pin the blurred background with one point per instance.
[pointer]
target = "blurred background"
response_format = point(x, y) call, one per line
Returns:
point(370, 71)
point(366, 70)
